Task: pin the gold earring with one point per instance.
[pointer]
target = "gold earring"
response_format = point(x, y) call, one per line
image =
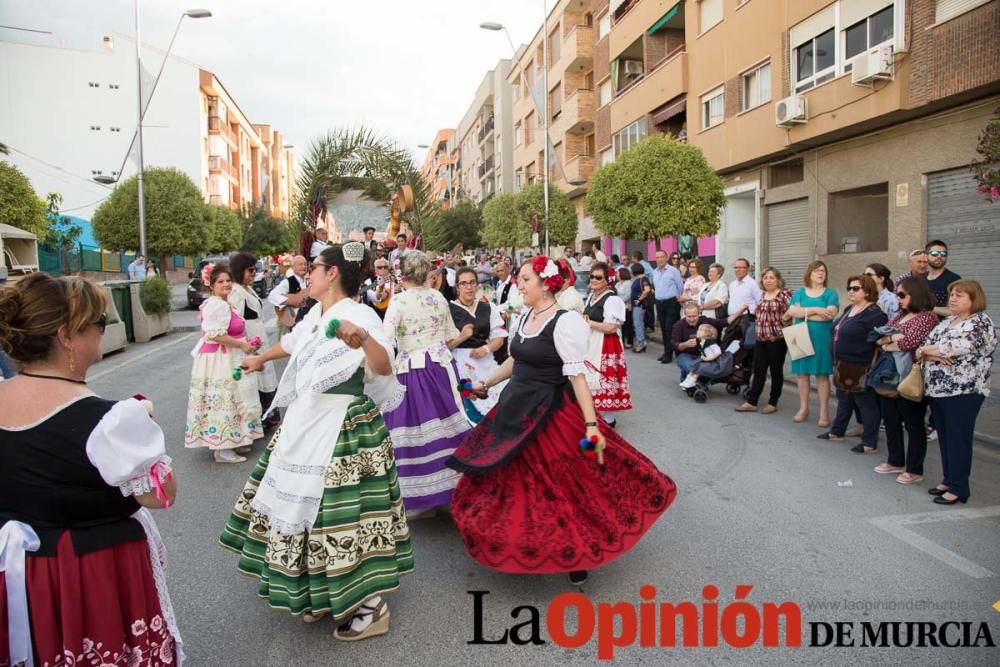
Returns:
point(72, 360)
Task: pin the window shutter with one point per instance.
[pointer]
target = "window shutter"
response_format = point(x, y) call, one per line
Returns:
point(946, 9)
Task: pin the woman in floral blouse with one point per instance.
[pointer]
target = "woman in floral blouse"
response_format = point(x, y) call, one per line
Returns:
point(693, 283)
point(770, 350)
point(431, 422)
point(957, 357)
point(915, 321)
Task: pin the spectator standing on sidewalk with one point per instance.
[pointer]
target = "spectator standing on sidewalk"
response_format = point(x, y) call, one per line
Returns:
point(137, 269)
point(770, 350)
point(744, 292)
point(939, 277)
point(917, 263)
point(642, 290)
point(667, 286)
point(714, 294)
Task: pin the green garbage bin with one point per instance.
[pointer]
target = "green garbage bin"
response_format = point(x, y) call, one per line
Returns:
point(122, 297)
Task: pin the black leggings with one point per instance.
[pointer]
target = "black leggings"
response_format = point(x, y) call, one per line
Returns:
point(768, 355)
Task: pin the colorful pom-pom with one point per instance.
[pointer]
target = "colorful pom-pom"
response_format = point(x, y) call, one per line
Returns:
point(332, 328)
point(237, 373)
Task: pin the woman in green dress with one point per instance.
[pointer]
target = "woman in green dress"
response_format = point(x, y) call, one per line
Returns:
point(816, 304)
point(320, 524)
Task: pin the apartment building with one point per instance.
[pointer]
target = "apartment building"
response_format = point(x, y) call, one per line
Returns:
point(844, 129)
point(440, 167)
point(63, 141)
point(565, 49)
point(484, 143)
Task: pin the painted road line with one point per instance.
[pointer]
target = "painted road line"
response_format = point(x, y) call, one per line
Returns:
point(139, 357)
point(897, 527)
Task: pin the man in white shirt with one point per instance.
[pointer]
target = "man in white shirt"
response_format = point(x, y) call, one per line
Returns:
point(289, 294)
point(744, 292)
point(320, 244)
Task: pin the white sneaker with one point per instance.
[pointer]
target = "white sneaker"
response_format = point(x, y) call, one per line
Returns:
point(689, 382)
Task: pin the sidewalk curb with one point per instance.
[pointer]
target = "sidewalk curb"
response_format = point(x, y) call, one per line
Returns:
point(983, 438)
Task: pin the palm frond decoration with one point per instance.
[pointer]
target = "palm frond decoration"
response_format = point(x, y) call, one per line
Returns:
point(355, 158)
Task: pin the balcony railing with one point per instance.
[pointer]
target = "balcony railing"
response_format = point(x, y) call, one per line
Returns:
point(217, 164)
point(215, 200)
point(486, 129)
point(486, 167)
point(217, 126)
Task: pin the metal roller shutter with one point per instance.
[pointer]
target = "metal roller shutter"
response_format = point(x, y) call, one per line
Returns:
point(970, 225)
point(789, 240)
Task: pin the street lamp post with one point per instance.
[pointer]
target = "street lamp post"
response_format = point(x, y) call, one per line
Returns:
point(137, 137)
point(544, 111)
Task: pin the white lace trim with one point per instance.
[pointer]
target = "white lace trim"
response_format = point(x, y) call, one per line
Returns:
point(142, 484)
point(158, 559)
point(278, 525)
point(429, 431)
point(334, 380)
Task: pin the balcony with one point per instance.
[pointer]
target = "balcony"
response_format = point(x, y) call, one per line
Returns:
point(215, 200)
point(577, 113)
point(486, 130)
point(577, 49)
point(218, 126)
point(666, 81)
point(486, 167)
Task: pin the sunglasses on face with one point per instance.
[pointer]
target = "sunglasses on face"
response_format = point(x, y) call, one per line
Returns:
point(593, 278)
point(381, 266)
point(901, 295)
point(854, 288)
point(938, 253)
point(102, 323)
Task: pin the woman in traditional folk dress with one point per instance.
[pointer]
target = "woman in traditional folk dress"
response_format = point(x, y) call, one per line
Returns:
point(530, 500)
point(605, 313)
point(431, 422)
point(223, 411)
point(320, 524)
point(250, 307)
point(82, 577)
point(474, 355)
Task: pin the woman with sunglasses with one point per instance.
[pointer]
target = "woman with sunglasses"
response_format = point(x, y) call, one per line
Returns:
point(77, 471)
point(245, 301)
point(320, 523)
point(605, 314)
point(474, 355)
point(915, 321)
point(224, 411)
point(853, 351)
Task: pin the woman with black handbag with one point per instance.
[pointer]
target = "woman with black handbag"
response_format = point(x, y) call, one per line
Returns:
point(853, 350)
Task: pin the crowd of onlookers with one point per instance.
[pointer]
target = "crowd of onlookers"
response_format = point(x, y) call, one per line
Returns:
point(910, 356)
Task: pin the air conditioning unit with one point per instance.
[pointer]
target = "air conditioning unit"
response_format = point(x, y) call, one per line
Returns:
point(875, 65)
point(790, 111)
point(633, 67)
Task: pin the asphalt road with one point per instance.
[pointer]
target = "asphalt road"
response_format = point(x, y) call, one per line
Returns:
point(759, 504)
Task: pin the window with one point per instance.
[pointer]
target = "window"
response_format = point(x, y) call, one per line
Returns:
point(516, 89)
point(858, 220)
point(785, 173)
point(555, 46)
point(756, 87)
point(709, 13)
point(555, 101)
point(517, 134)
point(713, 107)
point(529, 124)
point(867, 34)
point(605, 93)
point(947, 9)
point(607, 156)
point(628, 136)
point(604, 26)
point(815, 61)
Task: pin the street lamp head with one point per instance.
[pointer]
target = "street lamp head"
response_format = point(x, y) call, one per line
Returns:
point(105, 180)
point(423, 146)
point(198, 13)
point(491, 25)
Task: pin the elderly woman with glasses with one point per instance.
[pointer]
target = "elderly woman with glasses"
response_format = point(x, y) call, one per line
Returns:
point(474, 355)
point(853, 351)
point(915, 320)
point(605, 314)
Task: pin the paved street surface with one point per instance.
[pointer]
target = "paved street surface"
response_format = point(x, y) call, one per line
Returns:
point(759, 504)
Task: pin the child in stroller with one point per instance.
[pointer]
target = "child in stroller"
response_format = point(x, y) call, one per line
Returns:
point(732, 365)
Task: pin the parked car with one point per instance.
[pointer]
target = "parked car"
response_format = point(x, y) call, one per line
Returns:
point(197, 292)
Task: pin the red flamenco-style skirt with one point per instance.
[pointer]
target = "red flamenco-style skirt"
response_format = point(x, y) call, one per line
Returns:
point(100, 608)
point(614, 393)
point(551, 509)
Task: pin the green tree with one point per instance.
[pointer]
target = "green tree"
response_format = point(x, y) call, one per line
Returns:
point(657, 188)
point(264, 234)
point(225, 229)
point(504, 222)
point(175, 215)
point(19, 205)
point(62, 233)
point(458, 224)
point(562, 216)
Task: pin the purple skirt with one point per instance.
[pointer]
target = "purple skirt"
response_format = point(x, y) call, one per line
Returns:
point(426, 429)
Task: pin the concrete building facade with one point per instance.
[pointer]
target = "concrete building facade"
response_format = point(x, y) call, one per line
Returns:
point(484, 164)
point(192, 124)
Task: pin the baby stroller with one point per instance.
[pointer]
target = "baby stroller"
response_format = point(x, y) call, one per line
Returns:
point(734, 367)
